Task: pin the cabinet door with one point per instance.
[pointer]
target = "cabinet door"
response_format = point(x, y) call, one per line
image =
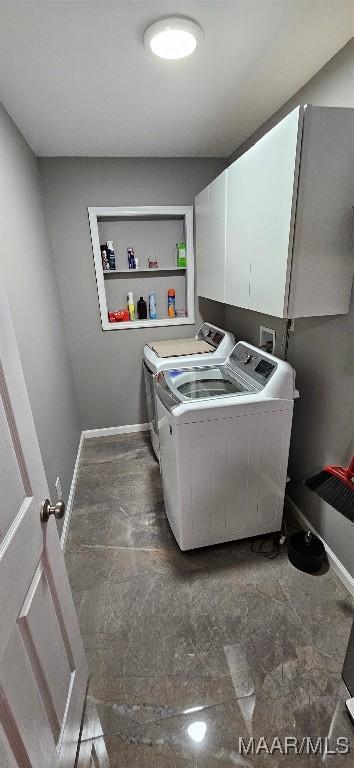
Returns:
point(272, 168)
point(210, 216)
point(217, 227)
point(239, 233)
point(323, 264)
point(201, 206)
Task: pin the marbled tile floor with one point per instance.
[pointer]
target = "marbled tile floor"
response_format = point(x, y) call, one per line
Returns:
point(190, 651)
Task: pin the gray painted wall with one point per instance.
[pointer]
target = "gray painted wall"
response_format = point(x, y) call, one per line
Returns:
point(27, 269)
point(107, 365)
point(321, 350)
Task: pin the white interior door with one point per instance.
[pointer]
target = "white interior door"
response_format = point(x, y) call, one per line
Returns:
point(43, 672)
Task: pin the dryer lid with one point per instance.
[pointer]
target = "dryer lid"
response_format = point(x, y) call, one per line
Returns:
point(181, 347)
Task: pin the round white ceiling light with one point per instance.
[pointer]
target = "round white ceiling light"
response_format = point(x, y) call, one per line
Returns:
point(173, 38)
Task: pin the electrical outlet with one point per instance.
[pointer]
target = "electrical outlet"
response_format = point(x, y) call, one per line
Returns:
point(58, 488)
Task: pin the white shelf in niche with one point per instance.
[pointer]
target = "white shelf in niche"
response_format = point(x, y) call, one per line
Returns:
point(159, 322)
point(150, 272)
point(143, 221)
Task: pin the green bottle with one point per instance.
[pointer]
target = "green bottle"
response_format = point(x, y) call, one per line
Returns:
point(181, 254)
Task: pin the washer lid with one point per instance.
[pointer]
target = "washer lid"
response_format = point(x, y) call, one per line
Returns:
point(189, 384)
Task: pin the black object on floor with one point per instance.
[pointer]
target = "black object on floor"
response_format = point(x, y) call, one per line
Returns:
point(306, 551)
point(335, 485)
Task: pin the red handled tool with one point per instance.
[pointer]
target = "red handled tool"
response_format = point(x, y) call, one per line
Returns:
point(335, 485)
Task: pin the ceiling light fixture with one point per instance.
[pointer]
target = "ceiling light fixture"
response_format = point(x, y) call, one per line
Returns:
point(173, 38)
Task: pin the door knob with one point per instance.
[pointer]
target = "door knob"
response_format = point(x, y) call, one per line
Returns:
point(48, 509)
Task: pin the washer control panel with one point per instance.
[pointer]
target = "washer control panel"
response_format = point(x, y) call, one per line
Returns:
point(251, 364)
point(210, 334)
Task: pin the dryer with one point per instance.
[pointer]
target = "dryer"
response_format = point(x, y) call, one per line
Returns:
point(224, 442)
point(210, 344)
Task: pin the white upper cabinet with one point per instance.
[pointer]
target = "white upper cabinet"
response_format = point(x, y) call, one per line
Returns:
point(288, 220)
point(210, 215)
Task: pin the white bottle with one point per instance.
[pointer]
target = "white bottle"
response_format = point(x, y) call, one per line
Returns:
point(110, 254)
point(152, 306)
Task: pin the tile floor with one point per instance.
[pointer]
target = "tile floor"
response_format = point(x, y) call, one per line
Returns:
point(190, 651)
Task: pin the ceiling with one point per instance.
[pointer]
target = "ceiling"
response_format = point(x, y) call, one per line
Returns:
point(77, 80)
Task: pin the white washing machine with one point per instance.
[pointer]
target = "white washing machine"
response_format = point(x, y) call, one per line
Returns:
point(211, 344)
point(224, 442)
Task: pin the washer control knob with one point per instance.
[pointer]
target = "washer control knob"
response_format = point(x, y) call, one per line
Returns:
point(248, 359)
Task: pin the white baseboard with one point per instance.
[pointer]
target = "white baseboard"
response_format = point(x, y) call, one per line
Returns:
point(333, 560)
point(69, 506)
point(124, 430)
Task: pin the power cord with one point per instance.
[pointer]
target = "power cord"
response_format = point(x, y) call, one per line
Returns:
point(269, 546)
